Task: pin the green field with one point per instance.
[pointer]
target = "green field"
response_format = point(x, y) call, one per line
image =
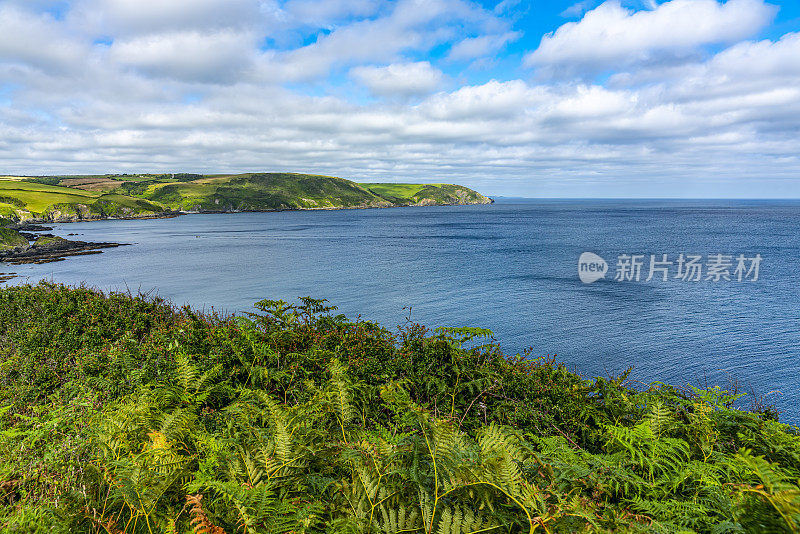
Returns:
point(37, 197)
point(260, 191)
point(426, 193)
point(23, 199)
point(406, 191)
point(276, 191)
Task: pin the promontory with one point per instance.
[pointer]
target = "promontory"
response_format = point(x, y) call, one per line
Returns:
point(88, 197)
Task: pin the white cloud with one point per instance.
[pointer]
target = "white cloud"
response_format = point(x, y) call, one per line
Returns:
point(484, 45)
point(190, 56)
point(37, 40)
point(505, 6)
point(325, 12)
point(611, 36)
point(126, 17)
point(411, 25)
point(763, 58)
point(198, 93)
point(578, 9)
point(493, 100)
point(399, 79)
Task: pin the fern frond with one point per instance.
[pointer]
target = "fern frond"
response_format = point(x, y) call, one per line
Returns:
point(200, 521)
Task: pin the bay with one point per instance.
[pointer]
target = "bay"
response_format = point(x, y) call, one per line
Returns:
point(510, 267)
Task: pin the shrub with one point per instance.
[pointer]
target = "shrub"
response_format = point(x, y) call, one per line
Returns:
point(121, 413)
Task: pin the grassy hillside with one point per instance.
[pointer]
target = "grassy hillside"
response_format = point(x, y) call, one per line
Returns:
point(267, 191)
point(25, 200)
point(430, 194)
point(296, 191)
point(38, 197)
point(98, 196)
point(123, 415)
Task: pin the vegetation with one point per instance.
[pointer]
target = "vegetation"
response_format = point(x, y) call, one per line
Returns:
point(101, 196)
point(28, 199)
point(273, 191)
point(427, 193)
point(47, 180)
point(122, 414)
point(48, 241)
point(262, 191)
point(11, 239)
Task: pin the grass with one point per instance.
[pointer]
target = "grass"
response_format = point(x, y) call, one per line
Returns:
point(91, 184)
point(405, 191)
point(48, 240)
point(11, 239)
point(262, 191)
point(426, 193)
point(122, 414)
point(274, 191)
point(38, 197)
point(125, 201)
point(8, 212)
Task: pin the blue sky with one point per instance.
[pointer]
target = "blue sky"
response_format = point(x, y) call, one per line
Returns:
point(624, 98)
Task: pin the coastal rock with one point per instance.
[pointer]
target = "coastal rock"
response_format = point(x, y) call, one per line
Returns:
point(49, 248)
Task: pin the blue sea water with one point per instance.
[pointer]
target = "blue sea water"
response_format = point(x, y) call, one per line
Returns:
point(510, 267)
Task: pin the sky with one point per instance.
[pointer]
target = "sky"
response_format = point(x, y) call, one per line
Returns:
point(622, 98)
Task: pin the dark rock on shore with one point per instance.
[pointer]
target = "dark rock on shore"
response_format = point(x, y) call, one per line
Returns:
point(28, 227)
point(50, 248)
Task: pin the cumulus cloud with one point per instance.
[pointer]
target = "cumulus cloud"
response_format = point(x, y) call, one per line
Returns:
point(484, 45)
point(37, 40)
point(611, 36)
point(126, 17)
point(326, 12)
point(399, 79)
point(189, 56)
point(411, 25)
point(203, 92)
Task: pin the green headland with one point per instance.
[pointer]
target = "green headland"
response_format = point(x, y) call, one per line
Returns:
point(67, 198)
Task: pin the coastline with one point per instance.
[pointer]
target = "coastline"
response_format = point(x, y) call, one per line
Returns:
point(20, 223)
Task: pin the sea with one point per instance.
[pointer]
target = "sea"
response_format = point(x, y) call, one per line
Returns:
point(687, 292)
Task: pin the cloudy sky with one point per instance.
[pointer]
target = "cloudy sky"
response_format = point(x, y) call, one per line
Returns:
point(631, 98)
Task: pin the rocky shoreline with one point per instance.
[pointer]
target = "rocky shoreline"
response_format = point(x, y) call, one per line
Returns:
point(57, 217)
point(53, 251)
point(54, 218)
point(44, 247)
